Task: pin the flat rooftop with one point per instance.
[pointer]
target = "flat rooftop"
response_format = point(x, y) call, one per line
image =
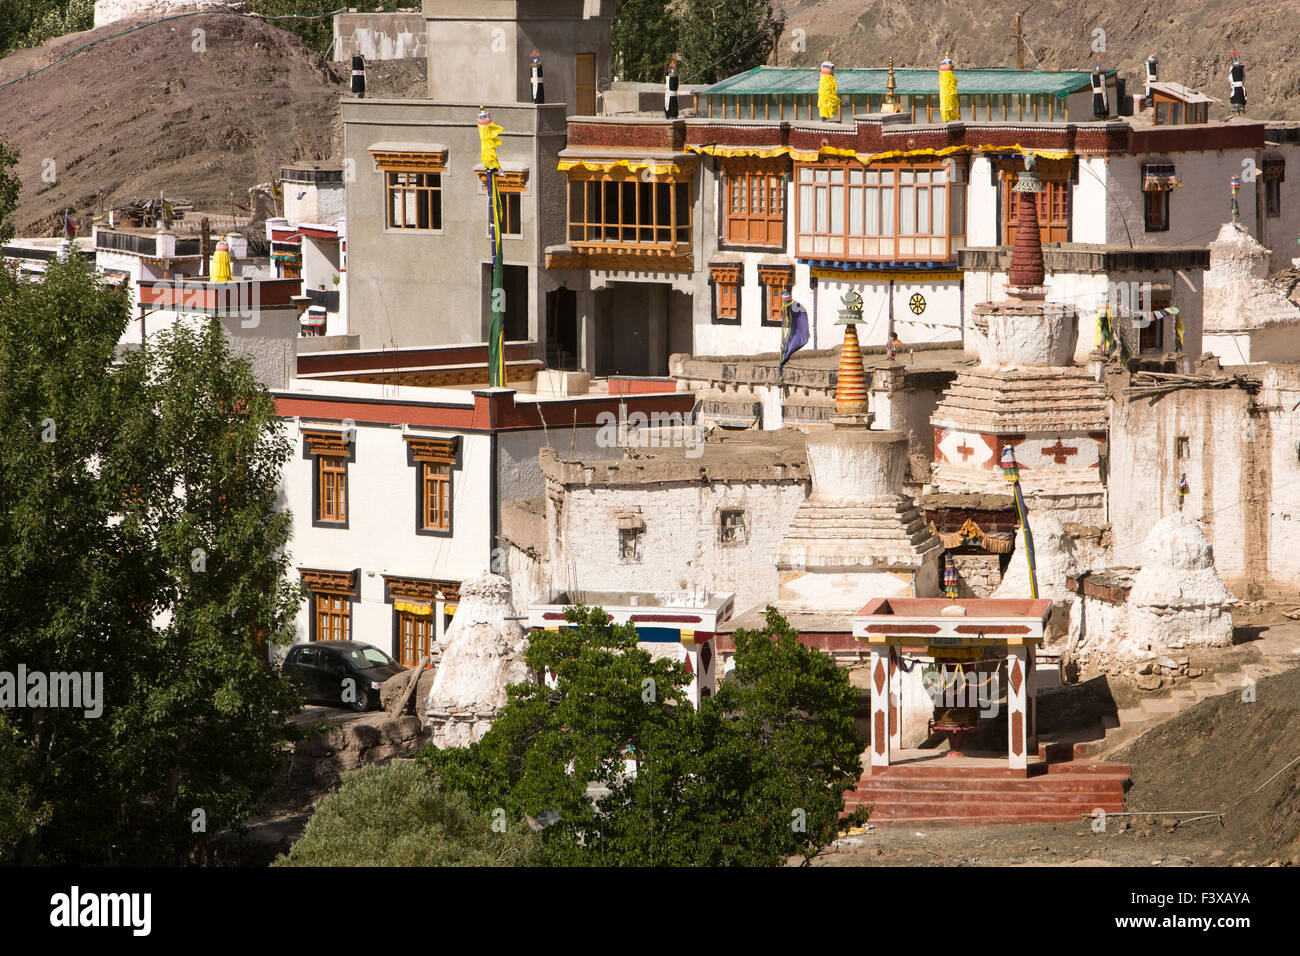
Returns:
point(653, 455)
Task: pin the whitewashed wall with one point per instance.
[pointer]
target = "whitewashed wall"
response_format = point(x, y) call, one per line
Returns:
point(680, 548)
point(380, 537)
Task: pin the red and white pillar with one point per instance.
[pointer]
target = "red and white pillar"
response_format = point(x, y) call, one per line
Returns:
point(1017, 711)
point(880, 686)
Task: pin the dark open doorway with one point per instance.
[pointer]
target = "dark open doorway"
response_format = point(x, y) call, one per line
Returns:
point(562, 330)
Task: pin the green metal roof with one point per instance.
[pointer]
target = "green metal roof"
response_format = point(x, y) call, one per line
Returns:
point(802, 81)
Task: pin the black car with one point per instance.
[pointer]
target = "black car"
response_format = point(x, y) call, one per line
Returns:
point(340, 673)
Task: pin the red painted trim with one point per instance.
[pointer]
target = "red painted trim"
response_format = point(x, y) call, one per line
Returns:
point(489, 413)
point(668, 618)
point(387, 361)
point(991, 629)
point(902, 629)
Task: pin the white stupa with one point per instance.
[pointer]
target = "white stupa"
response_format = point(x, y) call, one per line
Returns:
point(1178, 597)
point(483, 652)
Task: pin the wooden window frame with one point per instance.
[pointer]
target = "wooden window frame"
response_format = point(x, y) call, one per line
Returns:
point(892, 179)
point(673, 235)
point(425, 452)
point(332, 614)
point(408, 621)
point(330, 452)
point(760, 183)
point(725, 292)
point(1155, 210)
point(435, 483)
point(332, 594)
point(332, 474)
point(511, 186)
point(1055, 202)
point(426, 187)
point(773, 279)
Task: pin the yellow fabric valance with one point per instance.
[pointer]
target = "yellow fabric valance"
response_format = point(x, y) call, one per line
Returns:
point(422, 608)
point(812, 155)
point(658, 168)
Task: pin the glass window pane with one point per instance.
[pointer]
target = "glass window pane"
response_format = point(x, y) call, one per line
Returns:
point(873, 212)
point(837, 210)
point(922, 212)
point(856, 224)
point(886, 212)
point(907, 210)
point(805, 209)
point(939, 214)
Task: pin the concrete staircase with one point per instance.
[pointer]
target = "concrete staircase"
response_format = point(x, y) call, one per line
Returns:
point(955, 791)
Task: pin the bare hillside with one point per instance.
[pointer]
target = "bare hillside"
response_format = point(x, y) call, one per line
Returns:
point(143, 112)
point(1194, 41)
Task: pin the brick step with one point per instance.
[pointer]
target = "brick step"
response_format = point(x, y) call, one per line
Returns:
point(987, 820)
point(1058, 787)
point(953, 769)
point(982, 797)
point(1011, 813)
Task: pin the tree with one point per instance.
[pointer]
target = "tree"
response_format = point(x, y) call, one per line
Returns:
point(9, 189)
point(644, 39)
point(317, 32)
point(720, 38)
point(754, 777)
point(142, 547)
point(396, 815)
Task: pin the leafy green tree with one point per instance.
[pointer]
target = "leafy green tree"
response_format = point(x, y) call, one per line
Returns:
point(720, 38)
point(396, 815)
point(140, 541)
point(644, 39)
point(9, 189)
point(754, 777)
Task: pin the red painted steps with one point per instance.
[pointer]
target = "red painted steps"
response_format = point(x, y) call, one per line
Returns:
point(953, 791)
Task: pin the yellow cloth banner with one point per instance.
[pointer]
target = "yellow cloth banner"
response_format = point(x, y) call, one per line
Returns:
point(949, 105)
point(828, 97)
point(221, 266)
point(413, 607)
point(489, 139)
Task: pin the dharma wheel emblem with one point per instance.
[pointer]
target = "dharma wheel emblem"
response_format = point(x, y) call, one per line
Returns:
point(916, 303)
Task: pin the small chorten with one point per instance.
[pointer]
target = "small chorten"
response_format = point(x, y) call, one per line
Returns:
point(483, 653)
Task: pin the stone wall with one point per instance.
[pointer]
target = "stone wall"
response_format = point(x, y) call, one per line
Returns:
point(978, 575)
point(1241, 455)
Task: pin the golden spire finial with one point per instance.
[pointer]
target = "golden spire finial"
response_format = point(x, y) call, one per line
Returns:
point(890, 103)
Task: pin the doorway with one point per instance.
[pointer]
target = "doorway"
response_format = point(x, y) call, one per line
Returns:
point(562, 330)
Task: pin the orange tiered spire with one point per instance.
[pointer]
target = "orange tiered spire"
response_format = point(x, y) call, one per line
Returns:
point(851, 387)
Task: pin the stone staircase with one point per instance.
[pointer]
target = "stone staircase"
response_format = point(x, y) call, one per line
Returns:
point(955, 791)
point(1129, 723)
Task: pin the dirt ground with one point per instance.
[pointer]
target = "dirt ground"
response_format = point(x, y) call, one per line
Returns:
point(144, 112)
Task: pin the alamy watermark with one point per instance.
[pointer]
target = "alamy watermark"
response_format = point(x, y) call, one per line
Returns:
point(655, 430)
point(78, 690)
point(243, 299)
